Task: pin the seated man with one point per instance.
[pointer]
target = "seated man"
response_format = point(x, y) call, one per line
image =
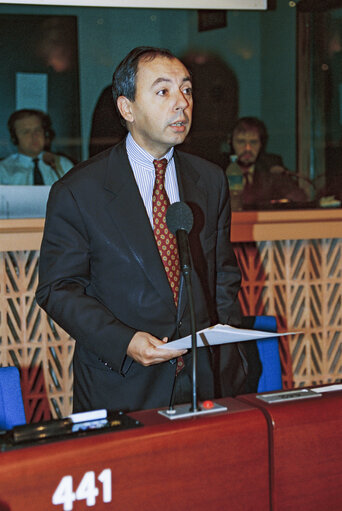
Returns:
point(33, 164)
point(263, 177)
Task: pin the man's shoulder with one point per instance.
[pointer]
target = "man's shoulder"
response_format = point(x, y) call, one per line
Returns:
point(267, 160)
point(9, 159)
point(199, 163)
point(64, 159)
point(195, 171)
point(11, 164)
point(93, 167)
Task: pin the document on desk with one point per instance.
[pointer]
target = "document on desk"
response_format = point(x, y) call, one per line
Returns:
point(222, 334)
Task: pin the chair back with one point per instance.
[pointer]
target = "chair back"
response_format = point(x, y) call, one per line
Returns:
point(11, 401)
point(268, 349)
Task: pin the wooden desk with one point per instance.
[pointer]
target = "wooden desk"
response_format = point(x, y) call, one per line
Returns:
point(207, 463)
point(306, 452)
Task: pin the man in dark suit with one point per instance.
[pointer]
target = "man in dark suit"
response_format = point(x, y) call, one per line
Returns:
point(101, 274)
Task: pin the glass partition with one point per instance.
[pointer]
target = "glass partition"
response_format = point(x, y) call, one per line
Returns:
point(243, 64)
point(320, 98)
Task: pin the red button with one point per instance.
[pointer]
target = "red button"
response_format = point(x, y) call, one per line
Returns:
point(208, 404)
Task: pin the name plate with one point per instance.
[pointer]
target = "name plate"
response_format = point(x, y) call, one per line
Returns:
point(290, 395)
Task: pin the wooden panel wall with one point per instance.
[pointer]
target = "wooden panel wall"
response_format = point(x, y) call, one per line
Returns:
point(31, 341)
point(299, 281)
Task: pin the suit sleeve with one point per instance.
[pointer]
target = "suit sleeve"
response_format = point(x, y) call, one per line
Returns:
point(228, 277)
point(229, 359)
point(64, 281)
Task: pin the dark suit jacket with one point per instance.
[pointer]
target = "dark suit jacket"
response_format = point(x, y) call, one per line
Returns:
point(269, 186)
point(102, 279)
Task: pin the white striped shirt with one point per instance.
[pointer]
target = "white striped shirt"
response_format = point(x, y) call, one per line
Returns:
point(143, 169)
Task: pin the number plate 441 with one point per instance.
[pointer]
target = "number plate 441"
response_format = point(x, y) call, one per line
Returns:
point(87, 490)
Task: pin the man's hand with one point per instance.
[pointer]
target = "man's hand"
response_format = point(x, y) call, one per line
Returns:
point(143, 348)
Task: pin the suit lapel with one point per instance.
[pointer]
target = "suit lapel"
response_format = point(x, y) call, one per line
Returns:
point(190, 189)
point(191, 192)
point(128, 212)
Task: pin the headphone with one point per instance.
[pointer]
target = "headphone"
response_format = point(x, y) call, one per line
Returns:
point(22, 114)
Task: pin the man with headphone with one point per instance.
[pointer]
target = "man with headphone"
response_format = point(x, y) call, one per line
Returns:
point(262, 178)
point(33, 164)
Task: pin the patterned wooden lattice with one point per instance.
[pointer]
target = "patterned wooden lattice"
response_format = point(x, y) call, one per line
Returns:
point(31, 341)
point(297, 281)
point(300, 282)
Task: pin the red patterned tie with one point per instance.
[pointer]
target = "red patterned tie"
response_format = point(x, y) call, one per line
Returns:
point(166, 241)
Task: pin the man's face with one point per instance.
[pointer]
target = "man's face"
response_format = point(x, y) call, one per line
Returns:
point(246, 145)
point(160, 116)
point(30, 135)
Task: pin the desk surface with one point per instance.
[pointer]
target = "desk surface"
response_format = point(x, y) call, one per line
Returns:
point(210, 462)
point(286, 454)
point(306, 451)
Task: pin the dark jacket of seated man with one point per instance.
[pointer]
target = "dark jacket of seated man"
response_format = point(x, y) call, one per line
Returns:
point(271, 182)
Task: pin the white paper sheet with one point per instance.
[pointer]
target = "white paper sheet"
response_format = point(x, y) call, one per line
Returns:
point(222, 334)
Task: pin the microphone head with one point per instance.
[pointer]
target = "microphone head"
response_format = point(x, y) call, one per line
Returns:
point(179, 216)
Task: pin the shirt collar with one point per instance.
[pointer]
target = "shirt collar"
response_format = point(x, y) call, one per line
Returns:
point(28, 159)
point(141, 157)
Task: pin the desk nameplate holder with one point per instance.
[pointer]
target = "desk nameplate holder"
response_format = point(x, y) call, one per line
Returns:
point(292, 395)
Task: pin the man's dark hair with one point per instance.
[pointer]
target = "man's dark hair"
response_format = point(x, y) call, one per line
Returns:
point(245, 124)
point(27, 112)
point(124, 77)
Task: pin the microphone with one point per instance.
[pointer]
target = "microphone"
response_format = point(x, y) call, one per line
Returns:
point(179, 219)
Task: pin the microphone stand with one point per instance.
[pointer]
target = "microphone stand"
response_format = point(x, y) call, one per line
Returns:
point(188, 284)
point(181, 231)
point(185, 267)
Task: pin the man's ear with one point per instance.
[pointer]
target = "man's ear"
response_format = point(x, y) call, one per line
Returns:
point(124, 106)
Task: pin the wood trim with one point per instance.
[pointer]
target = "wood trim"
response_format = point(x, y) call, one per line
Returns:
point(286, 225)
point(21, 234)
point(26, 233)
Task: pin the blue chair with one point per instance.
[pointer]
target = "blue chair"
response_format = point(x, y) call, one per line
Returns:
point(263, 356)
point(268, 349)
point(12, 411)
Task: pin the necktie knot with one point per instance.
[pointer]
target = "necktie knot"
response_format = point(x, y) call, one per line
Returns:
point(160, 167)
